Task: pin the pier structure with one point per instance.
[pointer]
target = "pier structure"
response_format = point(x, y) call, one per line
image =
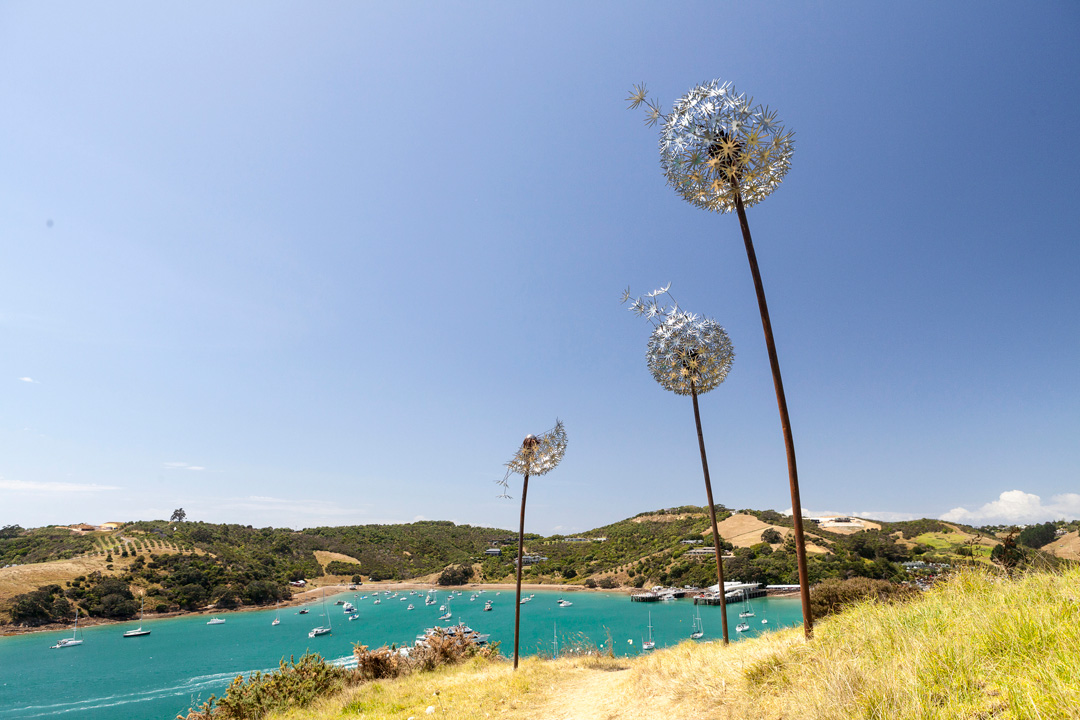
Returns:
point(733, 591)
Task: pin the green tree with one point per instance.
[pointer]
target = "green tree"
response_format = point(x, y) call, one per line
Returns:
point(1035, 536)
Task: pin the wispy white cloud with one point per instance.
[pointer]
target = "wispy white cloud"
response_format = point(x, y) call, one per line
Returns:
point(1019, 507)
point(30, 380)
point(53, 487)
point(181, 466)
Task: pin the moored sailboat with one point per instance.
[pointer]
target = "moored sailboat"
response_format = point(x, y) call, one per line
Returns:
point(138, 632)
point(649, 644)
point(71, 641)
point(322, 629)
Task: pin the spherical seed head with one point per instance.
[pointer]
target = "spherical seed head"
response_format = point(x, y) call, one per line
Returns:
point(716, 141)
point(688, 354)
point(539, 455)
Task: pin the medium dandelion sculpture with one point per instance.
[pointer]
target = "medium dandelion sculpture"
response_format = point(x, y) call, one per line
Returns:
point(688, 355)
point(722, 153)
point(536, 456)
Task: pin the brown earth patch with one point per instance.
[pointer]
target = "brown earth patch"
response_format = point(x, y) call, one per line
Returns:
point(852, 529)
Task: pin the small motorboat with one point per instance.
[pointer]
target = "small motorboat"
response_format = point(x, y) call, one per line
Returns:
point(216, 621)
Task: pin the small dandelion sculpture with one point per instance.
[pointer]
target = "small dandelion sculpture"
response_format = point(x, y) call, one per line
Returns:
point(536, 456)
point(722, 153)
point(688, 355)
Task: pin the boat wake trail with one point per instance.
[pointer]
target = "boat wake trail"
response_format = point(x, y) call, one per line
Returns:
point(191, 686)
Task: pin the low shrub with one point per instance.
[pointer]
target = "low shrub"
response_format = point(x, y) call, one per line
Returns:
point(830, 596)
point(295, 684)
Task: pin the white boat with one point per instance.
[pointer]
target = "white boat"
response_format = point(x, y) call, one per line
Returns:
point(565, 603)
point(216, 621)
point(71, 641)
point(524, 600)
point(410, 607)
point(748, 610)
point(354, 616)
point(742, 627)
point(377, 601)
point(487, 606)
point(277, 618)
point(138, 632)
point(649, 644)
point(446, 616)
point(322, 630)
point(699, 629)
point(349, 608)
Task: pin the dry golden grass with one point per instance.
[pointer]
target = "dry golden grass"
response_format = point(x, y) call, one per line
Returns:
point(325, 557)
point(27, 578)
point(977, 647)
point(743, 530)
point(1067, 546)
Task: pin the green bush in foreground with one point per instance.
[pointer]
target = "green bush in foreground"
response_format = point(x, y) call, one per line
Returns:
point(295, 684)
point(298, 683)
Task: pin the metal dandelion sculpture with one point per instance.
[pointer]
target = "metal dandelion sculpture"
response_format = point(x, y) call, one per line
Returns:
point(723, 153)
point(536, 456)
point(688, 355)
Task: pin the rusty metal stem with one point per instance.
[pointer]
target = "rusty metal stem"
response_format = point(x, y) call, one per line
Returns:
point(785, 422)
point(712, 515)
point(520, 564)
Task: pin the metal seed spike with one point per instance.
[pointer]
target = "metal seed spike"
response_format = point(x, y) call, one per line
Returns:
point(716, 141)
point(689, 355)
point(686, 354)
point(538, 455)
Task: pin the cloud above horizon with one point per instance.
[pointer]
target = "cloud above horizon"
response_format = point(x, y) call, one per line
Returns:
point(181, 466)
point(53, 487)
point(1018, 507)
point(29, 380)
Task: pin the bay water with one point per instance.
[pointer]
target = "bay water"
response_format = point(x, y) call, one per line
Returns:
point(183, 661)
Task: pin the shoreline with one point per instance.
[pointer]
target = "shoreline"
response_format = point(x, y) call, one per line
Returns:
point(311, 594)
point(301, 597)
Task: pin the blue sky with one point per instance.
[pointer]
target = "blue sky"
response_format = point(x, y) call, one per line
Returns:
point(294, 266)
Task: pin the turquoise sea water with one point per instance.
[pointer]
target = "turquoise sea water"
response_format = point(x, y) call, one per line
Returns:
point(184, 660)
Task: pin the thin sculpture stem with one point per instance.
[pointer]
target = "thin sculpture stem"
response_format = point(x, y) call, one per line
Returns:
point(785, 422)
point(520, 563)
point(712, 517)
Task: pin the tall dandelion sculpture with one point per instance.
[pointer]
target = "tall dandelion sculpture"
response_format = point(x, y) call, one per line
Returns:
point(688, 355)
point(536, 456)
point(723, 153)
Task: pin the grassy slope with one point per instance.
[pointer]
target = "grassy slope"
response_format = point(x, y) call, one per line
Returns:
point(975, 647)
